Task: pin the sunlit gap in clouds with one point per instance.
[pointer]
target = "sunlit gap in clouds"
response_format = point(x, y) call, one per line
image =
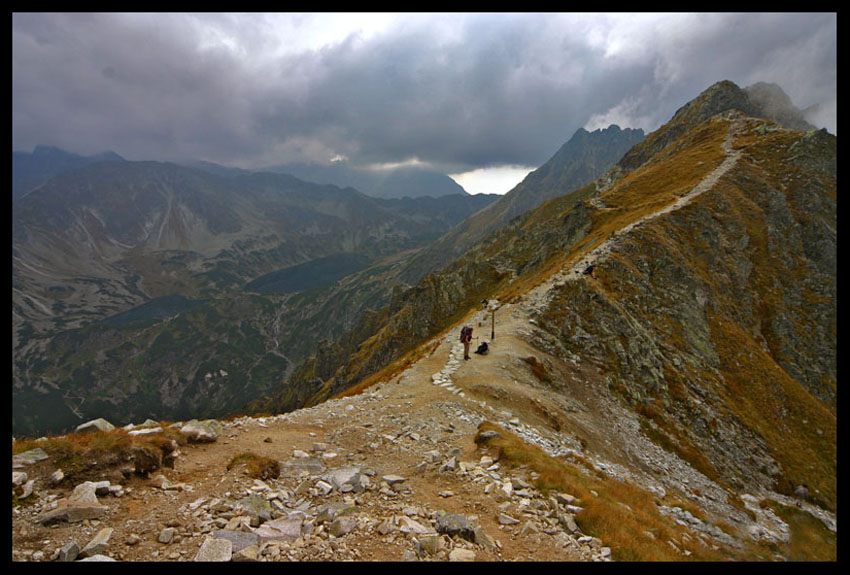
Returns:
point(495, 180)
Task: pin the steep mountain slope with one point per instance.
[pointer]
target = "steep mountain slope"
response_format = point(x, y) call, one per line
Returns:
point(581, 160)
point(713, 320)
point(159, 229)
point(98, 250)
point(447, 461)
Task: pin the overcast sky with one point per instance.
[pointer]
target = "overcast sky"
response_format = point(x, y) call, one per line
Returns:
point(474, 94)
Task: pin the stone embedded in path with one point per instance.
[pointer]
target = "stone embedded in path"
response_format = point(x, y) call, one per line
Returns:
point(453, 524)
point(342, 526)
point(214, 549)
point(461, 555)
point(505, 519)
point(481, 538)
point(98, 544)
point(307, 466)
point(80, 505)
point(239, 539)
point(408, 525)
point(248, 554)
point(68, 552)
point(255, 506)
point(348, 475)
point(97, 559)
point(284, 529)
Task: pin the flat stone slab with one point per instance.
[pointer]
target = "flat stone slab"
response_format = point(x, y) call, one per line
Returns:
point(284, 529)
point(213, 549)
point(82, 504)
point(30, 457)
point(239, 539)
point(302, 466)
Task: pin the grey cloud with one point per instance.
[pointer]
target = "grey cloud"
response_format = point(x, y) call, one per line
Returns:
point(456, 91)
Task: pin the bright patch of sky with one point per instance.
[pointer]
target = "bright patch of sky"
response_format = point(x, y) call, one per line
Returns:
point(498, 180)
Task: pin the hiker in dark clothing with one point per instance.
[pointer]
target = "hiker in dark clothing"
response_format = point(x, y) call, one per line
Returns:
point(483, 348)
point(466, 339)
point(590, 270)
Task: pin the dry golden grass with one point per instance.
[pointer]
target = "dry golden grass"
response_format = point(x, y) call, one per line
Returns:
point(624, 516)
point(89, 452)
point(538, 369)
point(390, 371)
point(255, 466)
point(810, 539)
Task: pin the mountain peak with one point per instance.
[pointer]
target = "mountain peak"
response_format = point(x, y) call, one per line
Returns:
point(761, 100)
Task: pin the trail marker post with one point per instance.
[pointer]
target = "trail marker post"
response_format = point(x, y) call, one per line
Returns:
point(492, 322)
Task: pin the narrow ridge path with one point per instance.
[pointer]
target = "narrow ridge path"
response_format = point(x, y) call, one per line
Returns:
point(538, 297)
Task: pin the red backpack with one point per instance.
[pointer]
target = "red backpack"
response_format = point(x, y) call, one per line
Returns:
point(466, 334)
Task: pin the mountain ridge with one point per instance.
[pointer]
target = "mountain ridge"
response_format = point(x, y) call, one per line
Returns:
point(698, 163)
point(579, 161)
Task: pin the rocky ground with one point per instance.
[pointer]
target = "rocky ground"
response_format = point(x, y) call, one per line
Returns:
point(389, 475)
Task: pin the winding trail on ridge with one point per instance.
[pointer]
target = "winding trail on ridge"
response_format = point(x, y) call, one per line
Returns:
point(513, 320)
point(538, 297)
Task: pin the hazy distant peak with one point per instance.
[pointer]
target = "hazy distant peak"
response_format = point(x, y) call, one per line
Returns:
point(761, 100)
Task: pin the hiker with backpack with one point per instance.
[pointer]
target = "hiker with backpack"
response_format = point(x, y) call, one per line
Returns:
point(466, 339)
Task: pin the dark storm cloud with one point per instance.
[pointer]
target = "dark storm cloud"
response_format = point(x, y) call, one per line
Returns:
point(461, 91)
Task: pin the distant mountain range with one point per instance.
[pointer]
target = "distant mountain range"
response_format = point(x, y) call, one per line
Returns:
point(103, 248)
point(581, 160)
point(411, 182)
point(32, 169)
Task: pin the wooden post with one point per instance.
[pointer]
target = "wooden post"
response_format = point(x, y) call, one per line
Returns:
point(492, 323)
